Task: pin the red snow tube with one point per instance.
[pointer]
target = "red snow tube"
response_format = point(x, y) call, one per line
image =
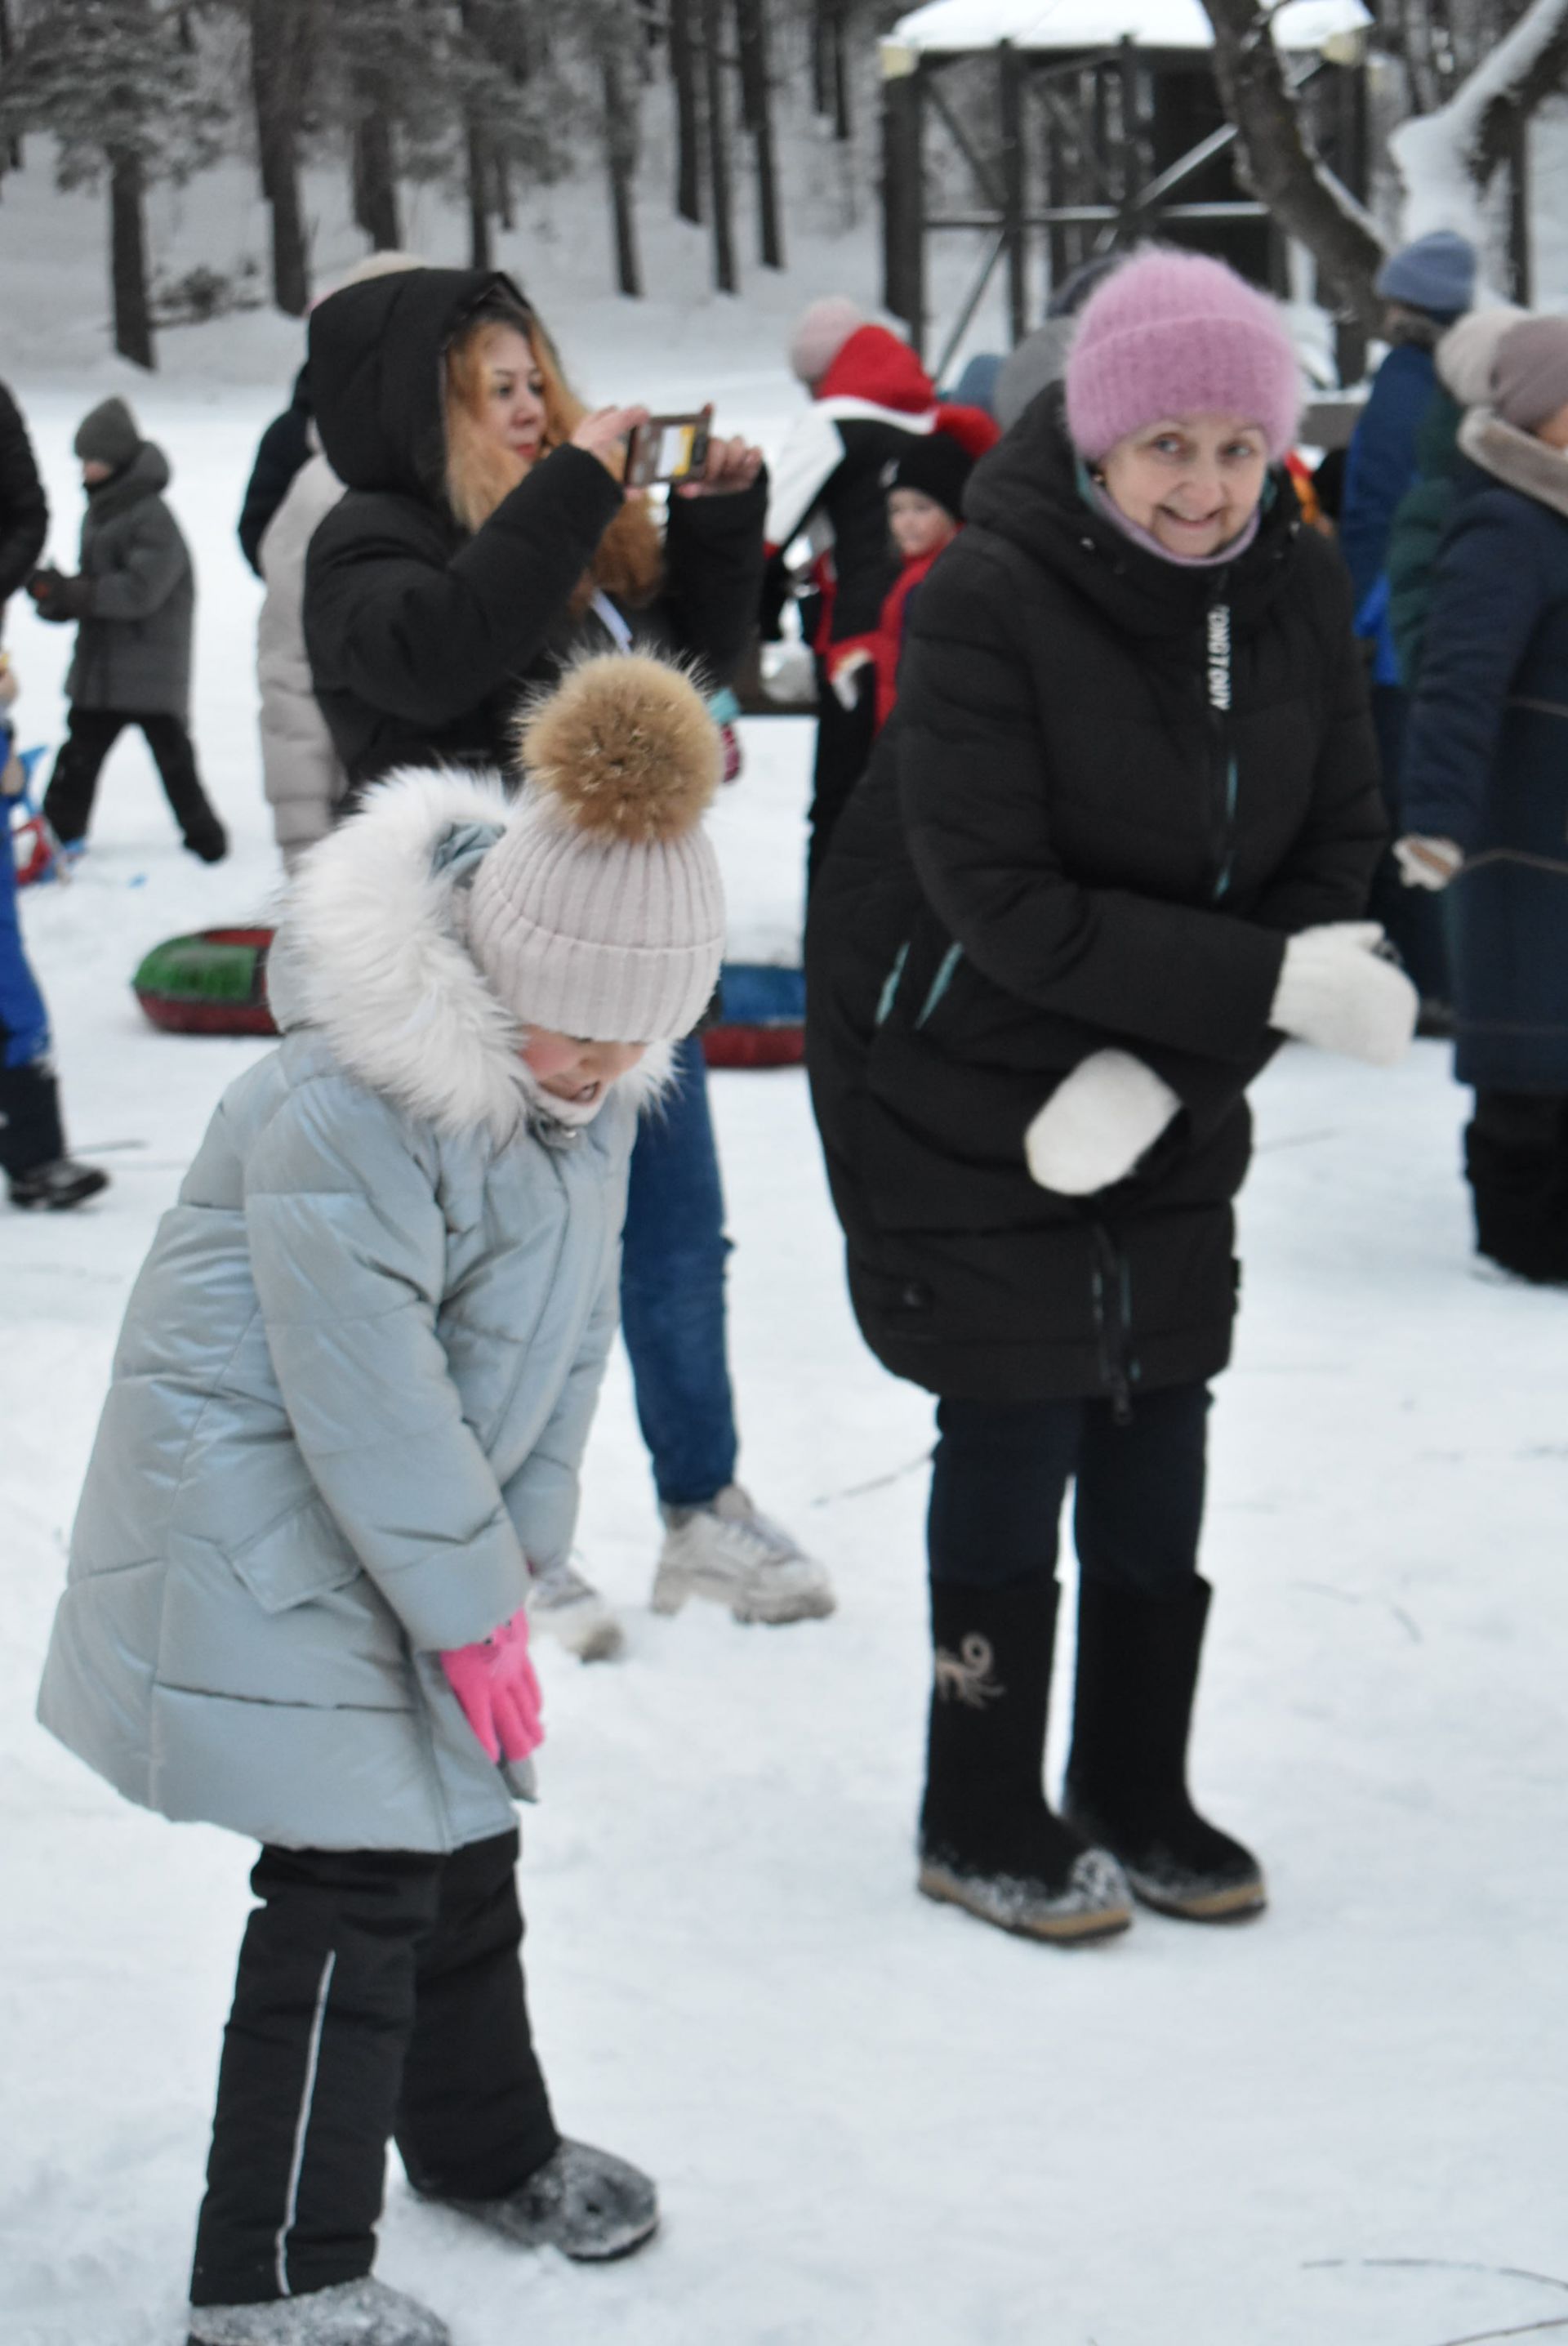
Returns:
point(761, 1017)
point(214, 983)
point(754, 1046)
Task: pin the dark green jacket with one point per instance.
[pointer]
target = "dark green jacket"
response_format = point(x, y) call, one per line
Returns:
point(1424, 512)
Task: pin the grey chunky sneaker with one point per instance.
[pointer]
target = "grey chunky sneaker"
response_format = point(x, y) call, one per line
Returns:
point(563, 1606)
point(585, 2202)
point(731, 1553)
point(350, 2313)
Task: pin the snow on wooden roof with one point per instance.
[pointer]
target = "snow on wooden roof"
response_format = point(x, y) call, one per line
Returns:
point(949, 26)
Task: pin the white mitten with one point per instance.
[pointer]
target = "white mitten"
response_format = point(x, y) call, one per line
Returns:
point(1427, 862)
point(1098, 1122)
point(1336, 990)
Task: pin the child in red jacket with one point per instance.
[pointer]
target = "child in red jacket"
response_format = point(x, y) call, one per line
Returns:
point(925, 488)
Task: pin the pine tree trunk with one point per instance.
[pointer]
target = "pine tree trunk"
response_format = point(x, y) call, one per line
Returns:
point(843, 124)
point(478, 173)
point(757, 110)
point(128, 261)
point(620, 157)
point(375, 181)
point(280, 71)
point(724, 276)
point(11, 154)
point(688, 114)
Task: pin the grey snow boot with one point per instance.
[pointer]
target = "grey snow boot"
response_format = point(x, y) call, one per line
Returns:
point(988, 1841)
point(585, 2202)
point(350, 2313)
point(1126, 1774)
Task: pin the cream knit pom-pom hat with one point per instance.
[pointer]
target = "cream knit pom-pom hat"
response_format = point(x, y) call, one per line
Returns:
point(599, 912)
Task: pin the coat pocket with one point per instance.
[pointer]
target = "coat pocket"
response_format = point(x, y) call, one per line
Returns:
point(301, 1555)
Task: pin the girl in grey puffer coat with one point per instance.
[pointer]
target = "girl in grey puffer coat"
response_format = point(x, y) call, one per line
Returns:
point(347, 1412)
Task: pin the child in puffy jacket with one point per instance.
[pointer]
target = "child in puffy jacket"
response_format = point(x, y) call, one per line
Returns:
point(348, 1409)
point(133, 600)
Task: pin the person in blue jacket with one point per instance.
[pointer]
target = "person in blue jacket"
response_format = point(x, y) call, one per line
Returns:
point(1485, 793)
point(32, 1155)
point(1425, 288)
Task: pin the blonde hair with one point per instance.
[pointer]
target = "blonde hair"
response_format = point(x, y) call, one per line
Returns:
point(480, 472)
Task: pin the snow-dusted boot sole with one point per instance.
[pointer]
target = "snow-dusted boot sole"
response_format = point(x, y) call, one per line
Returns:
point(590, 2205)
point(349, 2313)
point(783, 1596)
point(1230, 1904)
point(1095, 1904)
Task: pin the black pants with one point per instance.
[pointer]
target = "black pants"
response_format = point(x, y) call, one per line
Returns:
point(1516, 1158)
point(90, 737)
point(1001, 1473)
point(379, 1995)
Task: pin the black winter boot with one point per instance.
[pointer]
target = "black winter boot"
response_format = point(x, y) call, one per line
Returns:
point(1127, 1775)
point(33, 1146)
point(1516, 1162)
point(987, 1840)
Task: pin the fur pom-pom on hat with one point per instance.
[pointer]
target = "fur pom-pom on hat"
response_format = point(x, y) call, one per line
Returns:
point(599, 912)
point(628, 746)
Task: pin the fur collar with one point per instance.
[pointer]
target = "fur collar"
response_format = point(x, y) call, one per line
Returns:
point(1516, 458)
point(369, 950)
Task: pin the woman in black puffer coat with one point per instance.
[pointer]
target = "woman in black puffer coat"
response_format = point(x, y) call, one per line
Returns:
point(1115, 843)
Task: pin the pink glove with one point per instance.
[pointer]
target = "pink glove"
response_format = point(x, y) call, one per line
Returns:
point(495, 1683)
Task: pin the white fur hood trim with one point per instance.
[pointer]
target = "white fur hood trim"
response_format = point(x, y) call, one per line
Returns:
point(369, 950)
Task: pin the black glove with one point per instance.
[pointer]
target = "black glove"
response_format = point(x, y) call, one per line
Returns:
point(59, 597)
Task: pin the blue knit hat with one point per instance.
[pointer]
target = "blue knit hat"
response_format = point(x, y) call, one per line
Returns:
point(1437, 273)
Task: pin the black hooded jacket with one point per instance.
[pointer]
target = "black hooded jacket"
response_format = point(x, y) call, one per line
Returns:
point(1112, 788)
point(24, 514)
point(284, 449)
point(423, 637)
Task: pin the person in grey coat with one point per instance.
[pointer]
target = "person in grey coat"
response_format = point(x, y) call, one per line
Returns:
point(133, 599)
point(348, 1409)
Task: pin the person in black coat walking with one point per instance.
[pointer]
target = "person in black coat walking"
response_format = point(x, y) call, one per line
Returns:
point(134, 598)
point(484, 541)
point(1484, 792)
point(1112, 846)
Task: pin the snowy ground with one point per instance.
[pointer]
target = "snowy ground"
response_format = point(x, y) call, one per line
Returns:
point(874, 2122)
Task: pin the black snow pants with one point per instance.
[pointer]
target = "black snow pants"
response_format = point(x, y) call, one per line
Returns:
point(380, 1994)
point(1001, 1473)
point(90, 736)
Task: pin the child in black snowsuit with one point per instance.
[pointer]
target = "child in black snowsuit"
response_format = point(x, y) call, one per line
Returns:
point(134, 600)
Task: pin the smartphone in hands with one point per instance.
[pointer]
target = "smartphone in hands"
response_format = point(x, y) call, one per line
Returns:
point(668, 448)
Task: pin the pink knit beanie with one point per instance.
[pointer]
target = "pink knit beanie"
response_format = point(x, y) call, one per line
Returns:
point(1176, 333)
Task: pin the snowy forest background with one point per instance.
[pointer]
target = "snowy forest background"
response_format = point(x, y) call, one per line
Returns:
point(736, 116)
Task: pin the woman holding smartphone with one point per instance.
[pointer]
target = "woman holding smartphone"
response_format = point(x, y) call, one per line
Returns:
point(486, 539)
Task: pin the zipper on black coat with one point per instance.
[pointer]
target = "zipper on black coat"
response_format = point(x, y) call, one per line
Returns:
point(1222, 753)
point(1111, 1289)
